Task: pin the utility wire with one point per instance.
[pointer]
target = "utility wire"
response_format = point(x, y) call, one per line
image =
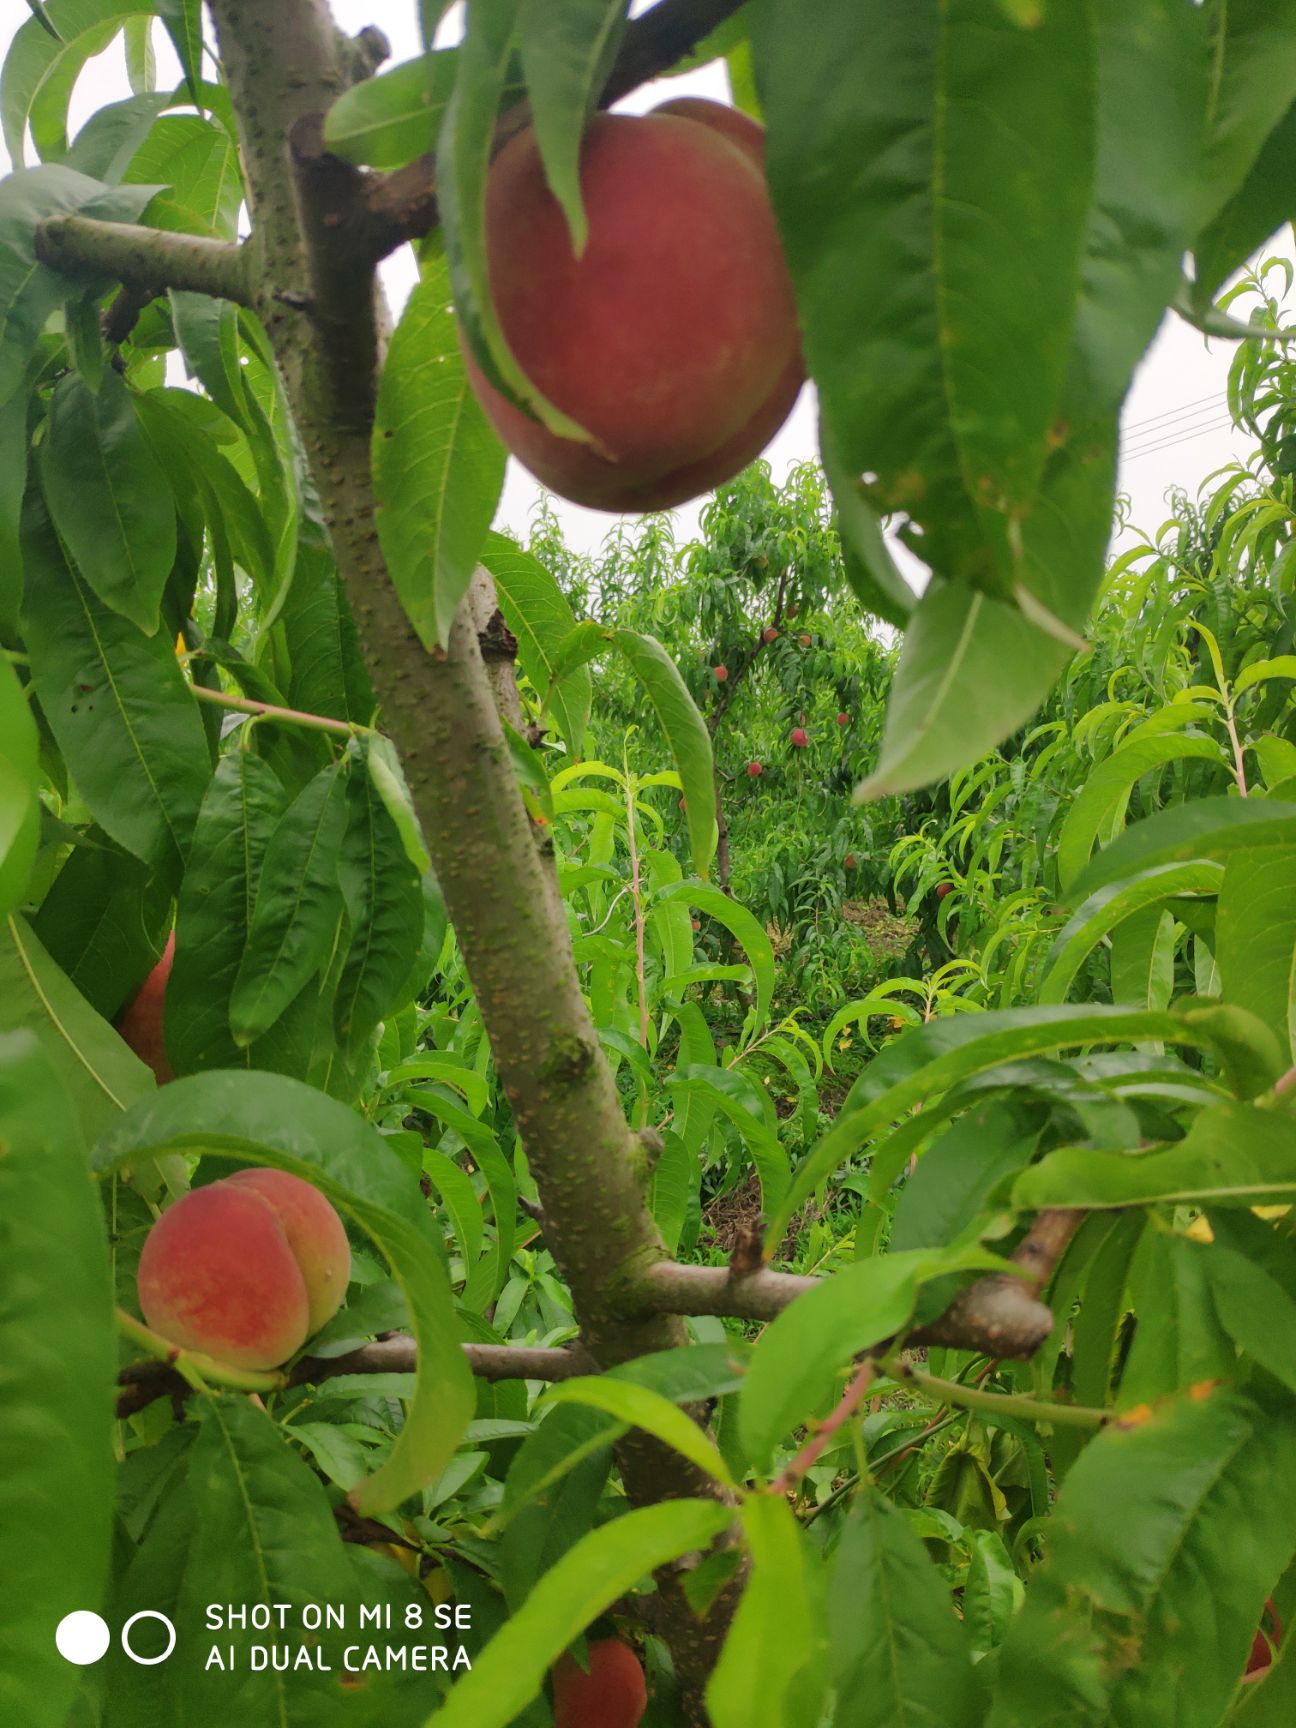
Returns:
point(1180, 438)
point(1174, 413)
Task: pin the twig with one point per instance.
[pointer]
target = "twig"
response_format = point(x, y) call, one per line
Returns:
point(849, 1403)
point(269, 711)
point(1003, 1403)
point(142, 1382)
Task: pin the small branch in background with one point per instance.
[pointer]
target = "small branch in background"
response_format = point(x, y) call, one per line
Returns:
point(636, 892)
point(671, 1287)
point(142, 1382)
point(268, 711)
point(402, 205)
point(1002, 1403)
point(147, 259)
point(850, 1401)
point(1285, 1083)
point(122, 314)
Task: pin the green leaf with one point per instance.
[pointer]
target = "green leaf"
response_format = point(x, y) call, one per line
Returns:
point(896, 1650)
point(1106, 908)
point(1100, 804)
point(538, 613)
point(41, 68)
point(298, 901)
point(509, 1672)
point(197, 163)
point(746, 930)
point(1253, 87)
point(896, 139)
point(183, 22)
point(108, 498)
point(98, 1074)
point(1255, 1311)
point(770, 1673)
point(20, 782)
point(725, 1087)
point(1205, 828)
point(793, 1365)
point(117, 704)
point(13, 485)
point(58, 1359)
point(243, 805)
point(266, 1119)
point(1258, 209)
point(567, 47)
point(263, 1533)
point(1255, 936)
point(929, 1060)
point(388, 120)
point(872, 572)
point(1178, 1341)
point(1167, 1523)
point(438, 466)
point(682, 726)
point(105, 921)
point(464, 147)
point(640, 1407)
point(29, 290)
point(1233, 1155)
point(959, 1174)
point(384, 900)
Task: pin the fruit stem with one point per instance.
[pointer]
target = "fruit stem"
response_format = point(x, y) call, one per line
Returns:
point(200, 1372)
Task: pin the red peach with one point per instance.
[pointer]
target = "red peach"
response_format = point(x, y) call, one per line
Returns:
point(613, 1694)
point(245, 1269)
point(769, 634)
point(803, 639)
point(799, 738)
point(843, 719)
point(721, 672)
point(944, 889)
point(140, 1021)
point(315, 1235)
point(683, 253)
point(754, 768)
point(849, 861)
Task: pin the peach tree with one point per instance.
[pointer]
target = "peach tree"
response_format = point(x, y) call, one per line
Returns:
point(1018, 1445)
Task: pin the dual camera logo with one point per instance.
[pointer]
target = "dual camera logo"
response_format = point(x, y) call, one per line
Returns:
point(83, 1637)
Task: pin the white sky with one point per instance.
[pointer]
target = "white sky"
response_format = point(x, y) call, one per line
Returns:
point(1175, 425)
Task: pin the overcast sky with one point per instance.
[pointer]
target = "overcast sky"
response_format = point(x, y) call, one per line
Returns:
point(1175, 425)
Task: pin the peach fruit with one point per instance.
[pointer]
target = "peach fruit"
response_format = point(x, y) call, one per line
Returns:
point(754, 768)
point(613, 1694)
point(672, 340)
point(721, 672)
point(246, 1269)
point(769, 634)
point(843, 719)
point(799, 737)
point(140, 1021)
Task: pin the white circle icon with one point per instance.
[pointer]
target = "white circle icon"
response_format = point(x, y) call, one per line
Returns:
point(82, 1637)
point(148, 1614)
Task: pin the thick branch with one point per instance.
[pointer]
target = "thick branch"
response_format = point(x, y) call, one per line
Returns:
point(403, 205)
point(440, 713)
point(151, 259)
point(142, 1382)
point(997, 1316)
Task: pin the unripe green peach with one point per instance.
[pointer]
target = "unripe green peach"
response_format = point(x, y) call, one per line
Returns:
point(245, 1269)
point(672, 339)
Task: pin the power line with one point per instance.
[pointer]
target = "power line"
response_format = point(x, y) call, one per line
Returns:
point(1225, 424)
point(1174, 413)
point(1172, 428)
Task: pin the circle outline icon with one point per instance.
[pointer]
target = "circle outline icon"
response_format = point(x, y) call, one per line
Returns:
point(148, 1614)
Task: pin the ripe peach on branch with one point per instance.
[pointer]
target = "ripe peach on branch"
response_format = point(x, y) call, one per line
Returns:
point(672, 339)
point(245, 1269)
point(613, 1694)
